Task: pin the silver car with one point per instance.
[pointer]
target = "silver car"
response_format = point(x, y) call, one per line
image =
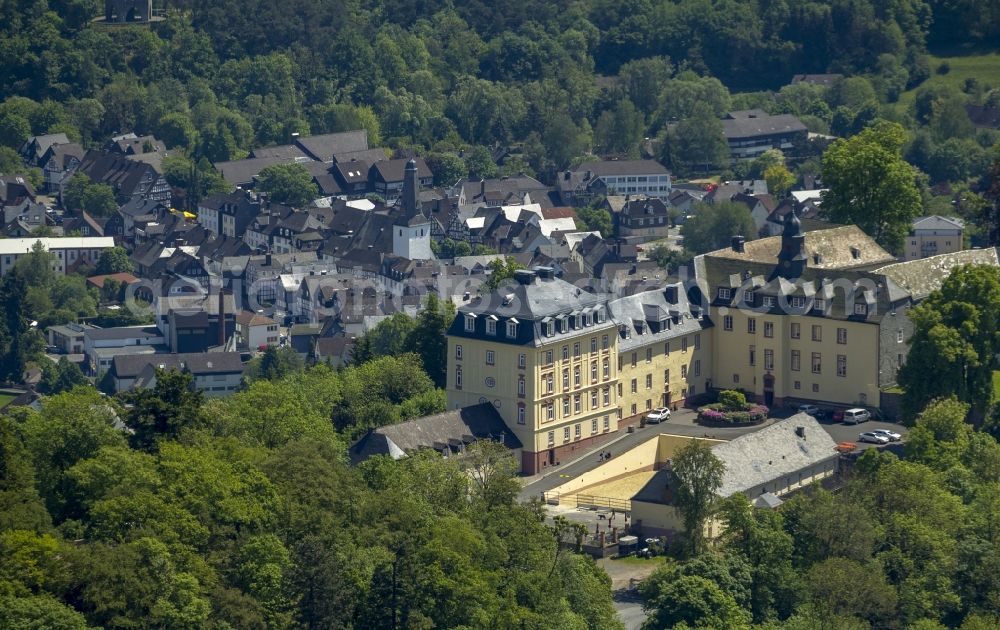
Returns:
point(892, 436)
point(872, 437)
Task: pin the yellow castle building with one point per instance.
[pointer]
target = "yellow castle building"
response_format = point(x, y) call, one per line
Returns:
point(819, 317)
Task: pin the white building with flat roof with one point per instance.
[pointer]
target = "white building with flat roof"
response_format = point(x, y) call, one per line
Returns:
point(69, 251)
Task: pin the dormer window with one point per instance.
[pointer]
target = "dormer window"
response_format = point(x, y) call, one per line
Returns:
point(600, 315)
point(512, 328)
point(586, 319)
point(798, 302)
point(470, 323)
point(724, 293)
point(578, 322)
point(748, 296)
point(860, 308)
point(819, 305)
point(768, 300)
point(491, 325)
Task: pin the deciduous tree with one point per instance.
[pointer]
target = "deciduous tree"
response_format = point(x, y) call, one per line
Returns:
point(870, 184)
point(287, 183)
point(699, 474)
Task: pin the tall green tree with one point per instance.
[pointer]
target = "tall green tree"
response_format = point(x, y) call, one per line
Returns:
point(870, 184)
point(695, 144)
point(699, 474)
point(114, 260)
point(953, 350)
point(712, 226)
point(287, 183)
point(60, 377)
point(164, 410)
point(18, 340)
point(429, 340)
point(500, 270)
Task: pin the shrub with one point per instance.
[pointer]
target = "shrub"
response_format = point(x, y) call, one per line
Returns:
point(737, 417)
point(732, 400)
point(717, 412)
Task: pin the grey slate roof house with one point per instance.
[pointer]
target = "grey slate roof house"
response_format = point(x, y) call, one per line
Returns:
point(763, 465)
point(215, 373)
point(129, 179)
point(448, 433)
point(751, 132)
point(635, 177)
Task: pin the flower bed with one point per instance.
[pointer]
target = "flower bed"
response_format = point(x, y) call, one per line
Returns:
point(717, 415)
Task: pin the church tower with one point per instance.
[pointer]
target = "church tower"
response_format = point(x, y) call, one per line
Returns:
point(411, 232)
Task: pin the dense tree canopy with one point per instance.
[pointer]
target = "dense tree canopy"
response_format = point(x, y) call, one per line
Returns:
point(250, 517)
point(955, 332)
point(871, 185)
point(712, 226)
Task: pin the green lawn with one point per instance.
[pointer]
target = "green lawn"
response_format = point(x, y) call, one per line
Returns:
point(996, 384)
point(984, 67)
point(5, 399)
point(645, 562)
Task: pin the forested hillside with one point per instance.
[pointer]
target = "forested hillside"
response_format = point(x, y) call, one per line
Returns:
point(218, 78)
point(244, 513)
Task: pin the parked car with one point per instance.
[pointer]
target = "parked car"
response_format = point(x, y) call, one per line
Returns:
point(837, 415)
point(892, 435)
point(874, 438)
point(856, 415)
point(658, 415)
point(811, 410)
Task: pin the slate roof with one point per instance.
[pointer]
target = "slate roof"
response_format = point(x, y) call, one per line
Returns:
point(623, 167)
point(937, 222)
point(921, 277)
point(449, 432)
point(368, 155)
point(323, 147)
point(773, 452)
point(123, 332)
point(833, 247)
point(394, 170)
point(352, 171)
point(284, 151)
point(755, 459)
point(141, 207)
point(243, 172)
point(532, 301)
point(754, 123)
point(41, 144)
point(639, 315)
point(197, 363)
point(60, 155)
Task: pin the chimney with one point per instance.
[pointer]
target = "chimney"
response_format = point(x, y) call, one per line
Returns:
point(738, 242)
point(801, 432)
point(524, 276)
point(545, 273)
point(222, 317)
point(670, 293)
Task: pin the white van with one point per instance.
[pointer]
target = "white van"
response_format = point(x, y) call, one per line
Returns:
point(856, 416)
